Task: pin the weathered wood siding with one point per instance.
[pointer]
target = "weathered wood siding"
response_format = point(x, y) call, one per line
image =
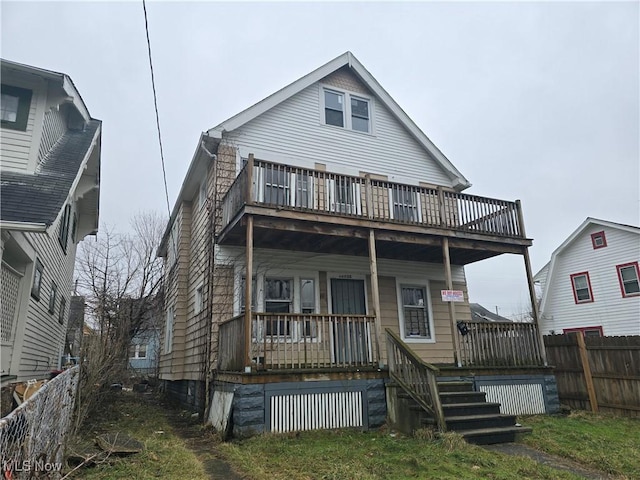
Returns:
point(294, 132)
point(617, 315)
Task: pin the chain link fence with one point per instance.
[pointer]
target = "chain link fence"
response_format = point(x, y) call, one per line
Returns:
point(33, 436)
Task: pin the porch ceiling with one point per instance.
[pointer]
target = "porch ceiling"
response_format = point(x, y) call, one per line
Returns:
point(348, 240)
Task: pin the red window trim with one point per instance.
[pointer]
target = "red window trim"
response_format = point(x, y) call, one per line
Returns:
point(583, 330)
point(630, 264)
point(596, 235)
point(573, 288)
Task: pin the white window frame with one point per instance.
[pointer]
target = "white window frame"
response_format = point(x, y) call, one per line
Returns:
point(347, 114)
point(415, 282)
point(172, 246)
point(199, 299)
point(136, 353)
point(168, 329)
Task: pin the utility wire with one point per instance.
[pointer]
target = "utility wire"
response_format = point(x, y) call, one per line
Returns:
point(155, 104)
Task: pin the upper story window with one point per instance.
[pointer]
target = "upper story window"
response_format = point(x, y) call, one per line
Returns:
point(629, 277)
point(346, 110)
point(14, 107)
point(581, 285)
point(598, 240)
point(37, 280)
point(63, 231)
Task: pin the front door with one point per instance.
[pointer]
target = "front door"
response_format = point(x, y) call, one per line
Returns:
point(350, 336)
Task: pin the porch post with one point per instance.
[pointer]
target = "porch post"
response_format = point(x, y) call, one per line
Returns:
point(532, 290)
point(248, 285)
point(249, 193)
point(375, 291)
point(452, 309)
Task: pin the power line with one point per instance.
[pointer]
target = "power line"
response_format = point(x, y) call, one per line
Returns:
point(155, 104)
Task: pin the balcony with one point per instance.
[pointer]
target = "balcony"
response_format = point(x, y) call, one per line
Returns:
point(341, 208)
point(298, 341)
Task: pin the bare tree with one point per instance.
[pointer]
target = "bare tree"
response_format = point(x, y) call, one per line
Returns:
point(120, 277)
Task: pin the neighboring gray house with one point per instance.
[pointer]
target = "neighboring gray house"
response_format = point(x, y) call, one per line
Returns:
point(592, 282)
point(481, 314)
point(49, 199)
point(144, 351)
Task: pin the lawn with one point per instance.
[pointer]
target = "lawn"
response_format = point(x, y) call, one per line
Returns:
point(604, 443)
point(608, 443)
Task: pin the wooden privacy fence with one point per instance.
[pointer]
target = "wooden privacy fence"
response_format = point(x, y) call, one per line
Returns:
point(597, 373)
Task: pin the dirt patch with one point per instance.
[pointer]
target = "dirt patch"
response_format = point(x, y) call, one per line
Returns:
point(202, 441)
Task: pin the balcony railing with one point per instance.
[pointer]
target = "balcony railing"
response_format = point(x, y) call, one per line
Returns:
point(307, 190)
point(501, 344)
point(298, 341)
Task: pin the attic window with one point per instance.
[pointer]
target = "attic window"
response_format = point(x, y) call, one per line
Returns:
point(14, 107)
point(343, 109)
point(598, 240)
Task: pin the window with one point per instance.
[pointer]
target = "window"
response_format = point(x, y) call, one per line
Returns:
point(63, 231)
point(303, 190)
point(52, 297)
point(168, 330)
point(360, 114)
point(415, 311)
point(242, 293)
point(629, 277)
point(586, 331)
point(405, 204)
point(199, 299)
point(138, 351)
point(333, 108)
point(598, 240)
point(172, 245)
point(308, 306)
point(14, 107)
point(74, 229)
point(342, 109)
point(581, 285)
point(278, 299)
point(344, 195)
point(63, 309)
point(37, 280)
point(276, 185)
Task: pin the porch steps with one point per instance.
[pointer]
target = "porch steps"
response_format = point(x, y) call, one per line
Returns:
point(468, 413)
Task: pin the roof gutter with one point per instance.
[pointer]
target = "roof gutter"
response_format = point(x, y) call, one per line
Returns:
point(23, 226)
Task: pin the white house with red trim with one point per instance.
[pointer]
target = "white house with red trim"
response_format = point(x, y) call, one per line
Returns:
point(592, 282)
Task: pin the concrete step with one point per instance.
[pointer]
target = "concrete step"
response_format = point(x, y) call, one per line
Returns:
point(455, 386)
point(470, 408)
point(462, 397)
point(487, 436)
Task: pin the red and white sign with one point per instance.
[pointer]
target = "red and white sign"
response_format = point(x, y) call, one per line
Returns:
point(452, 295)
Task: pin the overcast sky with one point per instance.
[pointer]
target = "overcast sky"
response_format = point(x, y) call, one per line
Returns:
point(531, 101)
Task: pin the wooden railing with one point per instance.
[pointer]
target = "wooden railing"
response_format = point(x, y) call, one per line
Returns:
point(498, 344)
point(304, 189)
point(418, 378)
point(231, 345)
point(299, 341)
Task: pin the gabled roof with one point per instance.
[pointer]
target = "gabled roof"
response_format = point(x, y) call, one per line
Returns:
point(349, 60)
point(37, 198)
point(481, 314)
point(589, 222)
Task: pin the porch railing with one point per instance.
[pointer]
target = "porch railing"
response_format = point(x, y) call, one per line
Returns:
point(418, 378)
point(299, 341)
point(303, 189)
point(497, 344)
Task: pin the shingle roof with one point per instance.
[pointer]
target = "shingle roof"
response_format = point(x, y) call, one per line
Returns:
point(39, 197)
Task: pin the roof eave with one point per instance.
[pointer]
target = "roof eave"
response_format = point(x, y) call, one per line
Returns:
point(23, 226)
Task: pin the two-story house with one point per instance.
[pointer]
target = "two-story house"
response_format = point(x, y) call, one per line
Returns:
point(317, 247)
point(592, 282)
point(49, 198)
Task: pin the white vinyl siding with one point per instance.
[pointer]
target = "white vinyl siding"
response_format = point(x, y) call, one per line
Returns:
point(616, 314)
point(43, 335)
point(54, 127)
point(294, 132)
